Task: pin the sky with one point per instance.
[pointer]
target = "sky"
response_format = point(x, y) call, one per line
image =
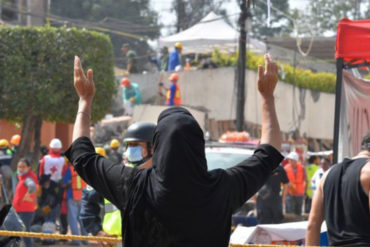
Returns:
point(166, 17)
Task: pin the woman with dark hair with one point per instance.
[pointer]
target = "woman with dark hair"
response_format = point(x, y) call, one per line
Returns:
point(24, 201)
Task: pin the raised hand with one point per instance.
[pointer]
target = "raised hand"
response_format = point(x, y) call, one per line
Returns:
point(267, 79)
point(84, 85)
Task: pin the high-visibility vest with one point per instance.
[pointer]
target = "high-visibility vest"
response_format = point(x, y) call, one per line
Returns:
point(77, 185)
point(112, 219)
point(176, 99)
point(296, 180)
point(310, 171)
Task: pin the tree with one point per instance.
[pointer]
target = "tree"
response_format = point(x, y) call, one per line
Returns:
point(36, 76)
point(133, 17)
point(279, 24)
point(189, 12)
point(324, 15)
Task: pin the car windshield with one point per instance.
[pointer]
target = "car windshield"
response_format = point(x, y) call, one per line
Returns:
point(224, 158)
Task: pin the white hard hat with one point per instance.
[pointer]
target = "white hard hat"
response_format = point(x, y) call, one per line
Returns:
point(293, 156)
point(55, 143)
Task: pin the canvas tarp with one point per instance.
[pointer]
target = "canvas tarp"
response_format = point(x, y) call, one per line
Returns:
point(211, 32)
point(353, 41)
point(266, 234)
point(354, 120)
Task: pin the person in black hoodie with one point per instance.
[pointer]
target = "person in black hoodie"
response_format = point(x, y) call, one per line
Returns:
point(176, 202)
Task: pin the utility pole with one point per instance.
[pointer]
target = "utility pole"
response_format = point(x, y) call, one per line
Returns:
point(240, 100)
point(181, 15)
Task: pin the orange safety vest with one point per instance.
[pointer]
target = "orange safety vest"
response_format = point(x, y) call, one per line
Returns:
point(296, 180)
point(77, 185)
point(176, 99)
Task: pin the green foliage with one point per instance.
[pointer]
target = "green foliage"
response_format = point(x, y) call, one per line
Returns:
point(224, 59)
point(324, 15)
point(36, 75)
point(324, 82)
point(134, 17)
point(189, 12)
point(280, 25)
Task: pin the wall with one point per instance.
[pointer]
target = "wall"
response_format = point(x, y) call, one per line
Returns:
point(213, 91)
point(48, 132)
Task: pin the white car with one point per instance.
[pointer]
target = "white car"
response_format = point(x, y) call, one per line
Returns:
point(223, 156)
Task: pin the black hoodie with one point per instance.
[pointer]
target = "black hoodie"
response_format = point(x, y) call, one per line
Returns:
point(177, 202)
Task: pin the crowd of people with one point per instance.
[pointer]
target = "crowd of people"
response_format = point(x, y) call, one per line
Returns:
point(290, 188)
point(158, 192)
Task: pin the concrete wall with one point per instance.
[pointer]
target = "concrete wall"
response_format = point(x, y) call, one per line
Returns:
point(213, 90)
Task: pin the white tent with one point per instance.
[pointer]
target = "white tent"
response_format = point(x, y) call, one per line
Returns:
point(211, 32)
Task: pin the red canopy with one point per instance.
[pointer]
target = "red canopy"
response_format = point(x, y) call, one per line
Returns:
point(353, 41)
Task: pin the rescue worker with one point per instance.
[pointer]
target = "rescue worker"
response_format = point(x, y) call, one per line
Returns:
point(137, 141)
point(5, 167)
point(14, 143)
point(173, 96)
point(130, 58)
point(311, 168)
point(114, 155)
point(53, 163)
point(297, 186)
point(73, 185)
point(174, 60)
point(131, 95)
point(24, 201)
point(177, 201)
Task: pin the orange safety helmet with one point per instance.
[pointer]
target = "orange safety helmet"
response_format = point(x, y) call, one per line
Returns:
point(174, 76)
point(15, 140)
point(125, 81)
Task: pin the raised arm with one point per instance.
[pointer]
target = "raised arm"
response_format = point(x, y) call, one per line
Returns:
point(267, 80)
point(110, 180)
point(249, 176)
point(85, 89)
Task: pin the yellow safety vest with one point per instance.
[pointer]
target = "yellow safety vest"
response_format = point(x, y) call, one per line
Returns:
point(112, 219)
point(310, 171)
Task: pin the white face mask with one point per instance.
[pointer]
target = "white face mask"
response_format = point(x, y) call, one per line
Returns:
point(22, 173)
point(134, 154)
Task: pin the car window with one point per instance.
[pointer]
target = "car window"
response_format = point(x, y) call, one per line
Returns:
point(224, 158)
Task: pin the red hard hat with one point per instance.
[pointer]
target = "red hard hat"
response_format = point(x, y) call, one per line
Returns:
point(174, 76)
point(125, 81)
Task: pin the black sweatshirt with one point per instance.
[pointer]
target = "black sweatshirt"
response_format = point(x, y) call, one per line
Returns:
point(177, 202)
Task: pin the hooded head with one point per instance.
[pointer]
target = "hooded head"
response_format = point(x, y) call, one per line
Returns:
point(179, 160)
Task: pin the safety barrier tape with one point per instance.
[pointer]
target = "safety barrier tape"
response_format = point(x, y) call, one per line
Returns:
point(60, 236)
point(262, 245)
point(108, 239)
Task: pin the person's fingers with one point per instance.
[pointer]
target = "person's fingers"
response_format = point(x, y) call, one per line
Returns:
point(267, 60)
point(76, 67)
point(90, 75)
point(260, 71)
point(276, 68)
point(78, 71)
